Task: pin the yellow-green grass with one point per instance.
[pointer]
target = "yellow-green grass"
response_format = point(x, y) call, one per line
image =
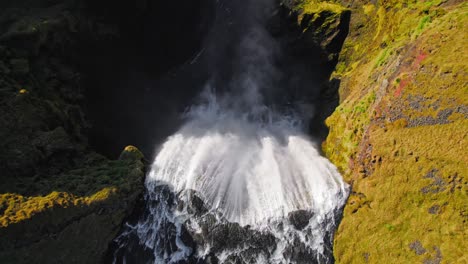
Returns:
point(316, 8)
point(19, 208)
point(391, 208)
point(398, 51)
point(99, 180)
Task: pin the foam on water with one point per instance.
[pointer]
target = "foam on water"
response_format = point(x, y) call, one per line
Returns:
point(254, 168)
point(249, 163)
point(250, 170)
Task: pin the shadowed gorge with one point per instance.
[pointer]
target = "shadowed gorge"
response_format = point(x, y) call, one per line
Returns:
point(155, 68)
point(243, 154)
point(221, 131)
point(130, 77)
point(133, 73)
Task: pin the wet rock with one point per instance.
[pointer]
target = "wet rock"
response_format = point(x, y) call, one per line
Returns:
point(300, 254)
point(210, 259)
point(227, 236)
point(300, 219)
point(195, 205)
point(263, 240)
point(186, 237)
point(233, 260)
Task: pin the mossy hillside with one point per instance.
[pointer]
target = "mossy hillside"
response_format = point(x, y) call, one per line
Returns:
point(378, 67)
point(316, 7)
point(417, 193)
point(92, 200)
point(399, 134)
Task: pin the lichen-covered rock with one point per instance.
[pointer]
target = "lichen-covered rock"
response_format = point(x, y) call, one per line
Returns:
point(399, 133)
point(131, 153)
point(323, 24)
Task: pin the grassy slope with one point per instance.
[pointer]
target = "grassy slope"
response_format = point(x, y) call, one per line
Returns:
point(399, 134)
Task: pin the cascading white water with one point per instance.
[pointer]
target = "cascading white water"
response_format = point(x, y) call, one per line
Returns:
point(240, 182)
point(249, 170)
point(254, 168)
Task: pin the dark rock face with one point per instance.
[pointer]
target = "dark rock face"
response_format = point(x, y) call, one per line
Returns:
point(59, 200)
point(133, 80)
point(78, 77)
point(171, 227)
point(311, 45)
point(300, 219)
point(83, 212)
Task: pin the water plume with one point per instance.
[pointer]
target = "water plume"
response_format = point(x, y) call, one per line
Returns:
point(244, 158)
point(249, 168)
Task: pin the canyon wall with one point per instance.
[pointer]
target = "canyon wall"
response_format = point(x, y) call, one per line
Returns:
point(398, 134)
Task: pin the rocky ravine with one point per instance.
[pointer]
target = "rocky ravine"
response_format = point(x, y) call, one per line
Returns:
point(398, 135)
point(59, 199)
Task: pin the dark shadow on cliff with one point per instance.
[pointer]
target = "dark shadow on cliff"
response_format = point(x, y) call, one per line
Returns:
point(139, 84)
point(135, 89)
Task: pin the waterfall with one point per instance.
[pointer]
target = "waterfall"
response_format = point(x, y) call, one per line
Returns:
point(240, 181)
point(248, 170)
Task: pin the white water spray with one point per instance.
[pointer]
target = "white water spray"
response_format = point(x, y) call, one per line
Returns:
point(249, 170)
point(250, 165)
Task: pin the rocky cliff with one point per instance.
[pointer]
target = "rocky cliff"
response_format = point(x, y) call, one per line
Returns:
point(60, 201)
point(399, 132)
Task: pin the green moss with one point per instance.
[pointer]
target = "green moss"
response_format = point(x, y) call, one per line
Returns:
point(383, 57)
point(326, 10)
point(347, 125)
point(317, 6)
point(409, 178)
point(17, 208)
point(400, 196)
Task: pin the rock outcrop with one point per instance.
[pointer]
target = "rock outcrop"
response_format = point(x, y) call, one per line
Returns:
point(179, 227)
